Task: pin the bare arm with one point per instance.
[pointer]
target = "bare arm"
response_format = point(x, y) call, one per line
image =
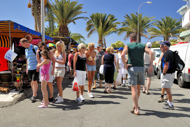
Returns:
point(160, 58)
point(124, 53)
point(46, 61)
point(165, 67)
point(53, 61)
point(37, 56)
point(103, 60)
point(115, 62)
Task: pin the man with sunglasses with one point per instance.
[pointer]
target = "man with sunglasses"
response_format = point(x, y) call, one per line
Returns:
point(31, 70)
point(167, 69)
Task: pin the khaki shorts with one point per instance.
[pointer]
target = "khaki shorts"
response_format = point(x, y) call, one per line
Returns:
point(167, 80)
point(59, 72)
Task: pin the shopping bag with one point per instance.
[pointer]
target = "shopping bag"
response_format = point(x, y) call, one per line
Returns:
point(101, 70)
point(118, 79)
point(75, 86)
point(10, 55)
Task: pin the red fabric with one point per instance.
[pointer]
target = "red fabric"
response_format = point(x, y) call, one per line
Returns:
point(36, 41)
point(3, 61)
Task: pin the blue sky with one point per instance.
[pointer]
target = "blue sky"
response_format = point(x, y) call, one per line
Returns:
point(17, 10)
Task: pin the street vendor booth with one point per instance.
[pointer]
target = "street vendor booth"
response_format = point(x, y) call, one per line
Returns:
point(10, 33)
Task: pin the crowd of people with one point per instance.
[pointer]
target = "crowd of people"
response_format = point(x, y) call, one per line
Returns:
point(132, 62)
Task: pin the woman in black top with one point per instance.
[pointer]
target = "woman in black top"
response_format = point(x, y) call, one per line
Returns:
point(108, 60)
point(79, 65)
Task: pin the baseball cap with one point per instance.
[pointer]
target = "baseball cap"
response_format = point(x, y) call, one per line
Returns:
point(167, 43)
point(120, 48)
point(149, 45)
point(99, 45)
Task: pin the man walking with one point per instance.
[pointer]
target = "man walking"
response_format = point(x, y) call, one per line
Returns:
point(135, 67)
point(167, 69)
point(99, 55)
point(146, 67)
point(31, 70)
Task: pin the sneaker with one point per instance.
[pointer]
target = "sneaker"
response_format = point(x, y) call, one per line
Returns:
point(161, 99)
point(33, 99)
point(59, 100)
point(57, 96)
point(50, 99)
point(169, 107)
point(90, 95)
point(78, 100)
point(123, 85)
point(42, 106)
point(82, 97)
point(166, 103)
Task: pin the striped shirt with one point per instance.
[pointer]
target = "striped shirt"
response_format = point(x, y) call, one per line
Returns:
point(31, 57)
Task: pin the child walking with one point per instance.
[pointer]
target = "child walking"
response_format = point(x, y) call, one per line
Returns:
point(45, 65)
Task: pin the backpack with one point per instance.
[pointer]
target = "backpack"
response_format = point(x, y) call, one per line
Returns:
point(178, 62)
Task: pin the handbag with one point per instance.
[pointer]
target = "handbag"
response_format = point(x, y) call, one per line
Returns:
point(101, 70)
point(75, 86)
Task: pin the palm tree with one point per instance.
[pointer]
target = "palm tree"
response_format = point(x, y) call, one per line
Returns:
point(77, 37)
point(63, 12)
point(36, 12)
point(130, 25)
point(103, 24)
point(166, 28)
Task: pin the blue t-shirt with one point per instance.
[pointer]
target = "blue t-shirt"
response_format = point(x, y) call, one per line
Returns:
point(31, 57)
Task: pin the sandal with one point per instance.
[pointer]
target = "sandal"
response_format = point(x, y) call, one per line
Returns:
point(109, 91)
point(133, 112)
point(42, 106)
point(105, 91)
point(94, 87)
point(143, 91)
point(147, 93)
point(138, 108)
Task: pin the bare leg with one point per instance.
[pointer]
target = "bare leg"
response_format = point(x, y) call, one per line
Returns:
point(169, 94)
point(59, 85)
point(138, 90)
point(163, 91)
point(94, 83)
point(89, 81)
point(144, 88)
point(81, 89)
point(100, 83)
point(44, 92)
point(77, 92)
point(34, 88)
point(135, 97)
point(50, 85)
point(148, 84)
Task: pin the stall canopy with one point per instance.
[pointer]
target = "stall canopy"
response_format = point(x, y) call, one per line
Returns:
point(18, 31)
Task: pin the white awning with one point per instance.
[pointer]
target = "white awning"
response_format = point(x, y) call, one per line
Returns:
point(184, 33)
point(182, 10)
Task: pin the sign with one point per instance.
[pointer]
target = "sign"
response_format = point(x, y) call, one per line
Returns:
point(10, 55)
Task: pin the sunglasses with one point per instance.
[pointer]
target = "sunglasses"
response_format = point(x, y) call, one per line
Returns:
point(83, 47)
point(92, 46)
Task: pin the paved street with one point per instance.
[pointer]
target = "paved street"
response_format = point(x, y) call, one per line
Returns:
point(105, 110)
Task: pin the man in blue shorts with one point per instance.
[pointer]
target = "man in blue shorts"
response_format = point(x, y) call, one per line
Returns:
point(33, 74)
point(135, 67)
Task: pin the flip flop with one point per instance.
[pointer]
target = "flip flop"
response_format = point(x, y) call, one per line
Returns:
point(143, 91)
point(133, 112)
point(105, 91)
point(147, 93)
point(94, 87)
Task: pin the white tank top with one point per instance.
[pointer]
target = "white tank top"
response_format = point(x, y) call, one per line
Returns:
point(59, 58)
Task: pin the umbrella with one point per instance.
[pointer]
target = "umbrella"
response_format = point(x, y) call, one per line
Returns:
point(50, 45)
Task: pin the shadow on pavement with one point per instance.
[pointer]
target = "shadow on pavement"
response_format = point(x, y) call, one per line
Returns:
point(163, 114)
point(182, 101)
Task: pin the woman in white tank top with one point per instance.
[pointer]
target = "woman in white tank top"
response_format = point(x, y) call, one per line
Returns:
point(60, 59)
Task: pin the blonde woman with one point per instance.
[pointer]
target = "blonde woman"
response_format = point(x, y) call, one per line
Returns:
point(59, 73)
point(109, 60)
point(91, 66)
point(79, 65)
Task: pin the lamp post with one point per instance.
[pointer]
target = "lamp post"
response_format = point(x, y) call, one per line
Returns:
point(42, 21)
point(148, 2)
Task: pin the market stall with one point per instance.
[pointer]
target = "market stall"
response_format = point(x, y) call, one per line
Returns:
point(11, 32)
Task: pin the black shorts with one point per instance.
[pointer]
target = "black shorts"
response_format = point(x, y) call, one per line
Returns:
point(33, 75)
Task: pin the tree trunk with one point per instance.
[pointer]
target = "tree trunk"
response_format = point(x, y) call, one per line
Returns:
point(100, 41)
point(64, 31)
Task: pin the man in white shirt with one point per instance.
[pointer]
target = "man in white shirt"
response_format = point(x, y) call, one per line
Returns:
point(146, 66)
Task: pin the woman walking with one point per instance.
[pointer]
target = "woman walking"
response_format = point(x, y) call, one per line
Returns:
point(91, 66)
point(45, 65)
point(109, 60)
point(42, 46)
point(59, 73)
point(79, 65)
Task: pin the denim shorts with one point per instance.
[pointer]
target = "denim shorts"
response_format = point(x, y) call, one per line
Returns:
point(91, 67)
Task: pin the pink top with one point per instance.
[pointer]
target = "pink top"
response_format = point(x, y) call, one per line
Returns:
point(70, 58)
point(45, 68)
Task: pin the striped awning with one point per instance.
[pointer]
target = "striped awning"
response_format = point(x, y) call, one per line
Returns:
point(4, 41)
point(18, 31)
point(185, 33)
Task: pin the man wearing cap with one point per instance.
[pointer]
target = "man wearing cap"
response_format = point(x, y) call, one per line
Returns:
point(135, 67)
point(122, 70)
point(167, 69)
point(70, 62)
point(99, 55)
point(146, 67)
